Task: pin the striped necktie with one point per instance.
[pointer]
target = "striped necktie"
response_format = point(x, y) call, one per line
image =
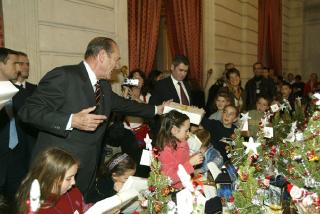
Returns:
point(97, 93)
point(183, 96)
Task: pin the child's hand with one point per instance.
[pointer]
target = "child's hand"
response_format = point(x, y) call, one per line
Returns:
point(117, 186)
point(196, 159)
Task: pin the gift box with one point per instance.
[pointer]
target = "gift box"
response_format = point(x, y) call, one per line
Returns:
point(195, 114)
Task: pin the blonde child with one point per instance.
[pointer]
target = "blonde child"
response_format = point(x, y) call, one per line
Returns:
point(222, 99)
point(222, 129)
point(174, 149)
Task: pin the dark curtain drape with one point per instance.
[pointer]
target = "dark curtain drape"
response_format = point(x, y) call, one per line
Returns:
point(143, 28)
point(184, 21)
point(270, 34)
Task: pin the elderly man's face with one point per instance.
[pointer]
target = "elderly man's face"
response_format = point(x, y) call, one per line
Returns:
point(108, 62)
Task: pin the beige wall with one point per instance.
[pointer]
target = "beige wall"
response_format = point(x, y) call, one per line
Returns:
point(230, 35)
point(56, 32)
point(292, 36)
point(311, 52)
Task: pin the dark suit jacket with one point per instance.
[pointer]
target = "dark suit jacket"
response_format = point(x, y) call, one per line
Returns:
point(164, 90)
point(13, 162)
point(66, 90)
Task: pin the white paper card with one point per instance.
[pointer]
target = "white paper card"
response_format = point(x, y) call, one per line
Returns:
point(7, 91)
point(209, 191)
point(245, 126)
point(35, 194)
point(194, 144)
point(117, 201)
point(214, 169)
point(145, 158)
point(135, 183)
point(268, 132)
point(185, 178)
point(195, 114)
point(184, 202)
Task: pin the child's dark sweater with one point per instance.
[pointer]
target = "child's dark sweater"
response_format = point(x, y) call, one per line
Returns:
point(217, 132)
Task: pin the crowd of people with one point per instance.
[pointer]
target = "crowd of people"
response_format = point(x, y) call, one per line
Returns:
point(61, 127)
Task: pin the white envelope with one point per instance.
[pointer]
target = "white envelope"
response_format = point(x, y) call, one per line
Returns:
point(135, 183)
point(145, 158)
point(194, 144)
point(184, 202)
point(117, 201)
point(214, 169)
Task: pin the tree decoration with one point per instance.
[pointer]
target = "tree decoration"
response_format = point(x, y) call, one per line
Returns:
point(158, 194)
point(244, 118)
point(251, 146)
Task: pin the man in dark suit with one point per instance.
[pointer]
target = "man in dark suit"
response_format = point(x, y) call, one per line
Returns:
point(72, 103)
point(13, 153)
point(258, 86)
point(174, 87)
point(23, 73)
point(26, 89)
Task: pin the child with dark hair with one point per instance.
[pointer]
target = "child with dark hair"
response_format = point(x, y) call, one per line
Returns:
point(174, 149)
point(113, 174)
point(286, 93)
point(298, 86)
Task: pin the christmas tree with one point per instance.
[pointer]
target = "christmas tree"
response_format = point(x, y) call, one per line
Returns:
point(306, 153)
point(158, 195)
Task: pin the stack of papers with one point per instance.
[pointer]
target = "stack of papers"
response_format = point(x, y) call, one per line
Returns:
point(7, 91)
point(195, 114)
point(116, 202)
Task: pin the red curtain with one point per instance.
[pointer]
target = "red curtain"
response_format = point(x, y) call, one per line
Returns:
point(143, 21)
point(184, 21)
point(270, 34)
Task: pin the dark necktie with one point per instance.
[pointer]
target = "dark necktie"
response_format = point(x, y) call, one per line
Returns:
point(97, 93)
point(183, 96)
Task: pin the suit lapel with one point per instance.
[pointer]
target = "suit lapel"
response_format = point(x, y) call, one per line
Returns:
point(86, 85)
point(173, 90)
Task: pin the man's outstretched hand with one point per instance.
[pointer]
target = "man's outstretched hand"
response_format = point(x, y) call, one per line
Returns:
point(85, 121)
point(161, 107)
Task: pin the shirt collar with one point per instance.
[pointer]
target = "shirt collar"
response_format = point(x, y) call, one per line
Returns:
point(175, 82)
point(91, 74)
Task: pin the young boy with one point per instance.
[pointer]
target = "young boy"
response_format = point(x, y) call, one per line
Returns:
point(222, 99)
point(210, 154)
point(222, 129)
point(286, 93)
point(262, 105)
